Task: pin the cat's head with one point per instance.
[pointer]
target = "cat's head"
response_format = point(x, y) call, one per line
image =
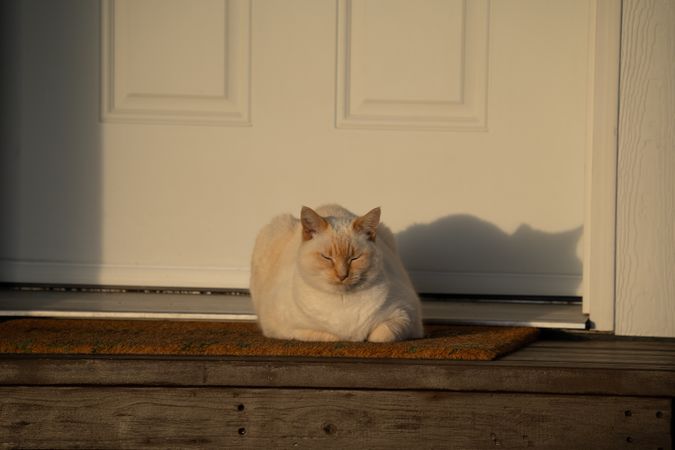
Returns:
point(338, 254)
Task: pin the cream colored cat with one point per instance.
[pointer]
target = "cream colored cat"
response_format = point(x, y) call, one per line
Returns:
point(332, 276)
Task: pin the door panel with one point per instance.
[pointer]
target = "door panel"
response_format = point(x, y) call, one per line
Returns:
point(465, 121)
point(410, 66)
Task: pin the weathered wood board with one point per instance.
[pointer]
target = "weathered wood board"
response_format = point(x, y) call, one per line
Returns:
point(124, 417)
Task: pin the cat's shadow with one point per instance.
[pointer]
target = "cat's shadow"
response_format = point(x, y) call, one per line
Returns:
point(465, 244)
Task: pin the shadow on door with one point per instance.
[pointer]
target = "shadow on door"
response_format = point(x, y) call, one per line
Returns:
point(50, 149)
point(484, 259)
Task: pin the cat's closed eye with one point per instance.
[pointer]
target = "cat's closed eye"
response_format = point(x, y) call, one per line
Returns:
point(354, 258)
point(327, 258)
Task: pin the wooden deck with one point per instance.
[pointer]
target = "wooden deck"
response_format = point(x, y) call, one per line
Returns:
point(567, 391)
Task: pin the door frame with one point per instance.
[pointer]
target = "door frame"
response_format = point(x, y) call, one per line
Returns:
point(601, 165)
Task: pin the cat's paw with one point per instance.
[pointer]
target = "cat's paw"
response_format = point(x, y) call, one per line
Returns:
point(382, 333)
point(399, 326)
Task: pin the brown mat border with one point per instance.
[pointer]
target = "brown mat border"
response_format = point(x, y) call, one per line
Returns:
point(191, 338)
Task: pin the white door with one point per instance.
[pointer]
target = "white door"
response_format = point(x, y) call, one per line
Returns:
point(466, 121)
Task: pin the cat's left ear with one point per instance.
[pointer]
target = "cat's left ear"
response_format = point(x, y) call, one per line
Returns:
point(368, 223)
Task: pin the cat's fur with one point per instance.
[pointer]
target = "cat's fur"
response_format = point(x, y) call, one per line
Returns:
point(332, 276)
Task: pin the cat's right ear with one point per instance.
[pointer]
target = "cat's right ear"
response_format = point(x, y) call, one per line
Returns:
point(368, 224)
point(312, 223)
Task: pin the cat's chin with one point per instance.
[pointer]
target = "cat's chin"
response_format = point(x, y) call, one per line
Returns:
point(336, 287)
point(339, 289)
point(344, 288)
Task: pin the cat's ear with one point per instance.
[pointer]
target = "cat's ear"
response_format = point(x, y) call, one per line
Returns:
point(312, 223)
point(368, 223)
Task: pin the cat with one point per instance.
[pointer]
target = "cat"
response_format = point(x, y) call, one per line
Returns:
point(332, 276)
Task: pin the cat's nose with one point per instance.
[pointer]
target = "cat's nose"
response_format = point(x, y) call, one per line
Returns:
point(342, 272)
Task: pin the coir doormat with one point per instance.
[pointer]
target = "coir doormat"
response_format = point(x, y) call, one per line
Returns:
point(136, 337)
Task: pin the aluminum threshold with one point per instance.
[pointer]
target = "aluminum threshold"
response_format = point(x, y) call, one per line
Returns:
point(218, 306)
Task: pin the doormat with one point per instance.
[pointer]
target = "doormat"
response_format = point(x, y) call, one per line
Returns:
point(179, 338)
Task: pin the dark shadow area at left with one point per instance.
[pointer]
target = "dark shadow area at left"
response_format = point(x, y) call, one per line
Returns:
point(50, 142)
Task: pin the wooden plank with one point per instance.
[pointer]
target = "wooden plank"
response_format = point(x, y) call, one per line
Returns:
point(579, 361)
point(599, 352)
point(266, 418)
point(499, 376)
point(626, 358)
point(574, 358)
point(611, 343)
point(598, 367)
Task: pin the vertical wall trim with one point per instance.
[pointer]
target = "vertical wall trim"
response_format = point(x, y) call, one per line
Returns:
point(645, 287)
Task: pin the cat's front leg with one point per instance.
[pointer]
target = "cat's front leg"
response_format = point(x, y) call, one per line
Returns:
point(314, 336)
point(399, 326)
